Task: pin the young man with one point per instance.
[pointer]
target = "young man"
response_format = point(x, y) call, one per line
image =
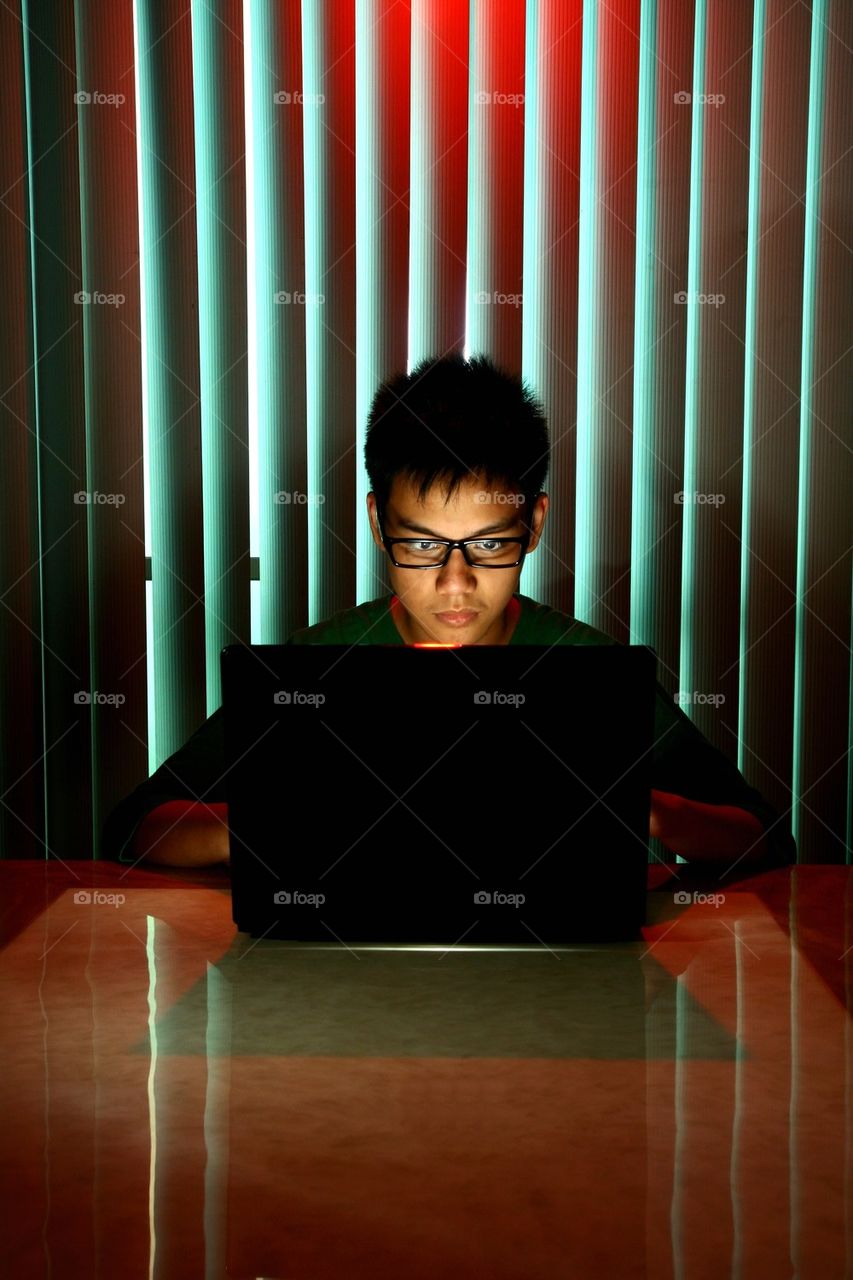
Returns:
point(457, 455)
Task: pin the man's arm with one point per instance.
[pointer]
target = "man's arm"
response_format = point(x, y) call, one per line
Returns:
point(706, 832)
point(183, 833)
point(703, 809)
point(177, 816)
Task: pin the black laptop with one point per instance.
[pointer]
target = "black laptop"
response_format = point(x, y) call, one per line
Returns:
point(439, 795)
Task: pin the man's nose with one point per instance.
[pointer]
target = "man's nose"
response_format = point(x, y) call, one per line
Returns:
point(457, 572)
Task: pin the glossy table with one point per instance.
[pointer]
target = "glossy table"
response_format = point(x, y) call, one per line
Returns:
point(182, 1101)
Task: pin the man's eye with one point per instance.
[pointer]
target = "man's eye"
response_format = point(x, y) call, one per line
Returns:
point(489, 544)
point(425, 546)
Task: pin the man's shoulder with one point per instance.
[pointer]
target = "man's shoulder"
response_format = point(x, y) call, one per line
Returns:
point(367, 623)
point(540, 624)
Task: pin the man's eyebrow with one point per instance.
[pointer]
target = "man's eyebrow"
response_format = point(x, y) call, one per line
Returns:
point(492, 528)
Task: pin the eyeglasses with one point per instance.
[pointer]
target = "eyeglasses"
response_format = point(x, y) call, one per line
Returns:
point(434, 553)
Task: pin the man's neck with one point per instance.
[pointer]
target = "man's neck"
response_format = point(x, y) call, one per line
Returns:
point(511, 615)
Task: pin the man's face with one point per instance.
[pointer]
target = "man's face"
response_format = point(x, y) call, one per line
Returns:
point(479, 595)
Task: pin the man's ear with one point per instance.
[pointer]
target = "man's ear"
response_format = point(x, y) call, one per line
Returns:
point(371, 515)
point(537, 522)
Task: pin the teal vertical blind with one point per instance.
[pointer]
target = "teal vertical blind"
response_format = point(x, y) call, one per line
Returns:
point(383, 128)
point(223, 224)
point(220, 212)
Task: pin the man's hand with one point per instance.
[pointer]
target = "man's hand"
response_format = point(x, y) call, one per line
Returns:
point(663, 819)
point(184, 833)
point(706, 832)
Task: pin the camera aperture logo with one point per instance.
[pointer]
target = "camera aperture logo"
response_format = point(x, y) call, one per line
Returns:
point(484, 898)
point(97, 98)
point(285, 898)
point(295, 697)
point(483, 698)
point(683, 899)
point(95, 898)
point(85, 698)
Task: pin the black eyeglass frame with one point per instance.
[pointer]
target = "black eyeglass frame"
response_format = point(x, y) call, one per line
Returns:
point(388, 543)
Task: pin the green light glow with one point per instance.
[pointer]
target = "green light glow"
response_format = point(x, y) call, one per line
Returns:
point(251, 316)
point(476, 238)
point(369, 262)
point(276, 358)
point(587, 365)
point(420, 218)
point(817, 73)
point(153, 761)
point(644, 579)
point(262, 262)
point(691, 394)
point(31, 197)
point(313, 69)
point(532, 572)
point(151, 1089)
point(221, 276)
point(217, 1051)
point(167, 361)
point(750, 338)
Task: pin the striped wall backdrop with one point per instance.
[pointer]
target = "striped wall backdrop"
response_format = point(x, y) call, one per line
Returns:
point(222, 224)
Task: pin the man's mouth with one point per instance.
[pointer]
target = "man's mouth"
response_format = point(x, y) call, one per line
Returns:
point(458, 617)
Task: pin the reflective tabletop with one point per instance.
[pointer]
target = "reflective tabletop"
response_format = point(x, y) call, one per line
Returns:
point(183, 1100)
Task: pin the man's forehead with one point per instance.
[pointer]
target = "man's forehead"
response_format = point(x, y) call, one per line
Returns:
point(477, 517)
point(405, 496)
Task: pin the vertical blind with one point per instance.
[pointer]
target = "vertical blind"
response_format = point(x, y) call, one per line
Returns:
point(224, 223)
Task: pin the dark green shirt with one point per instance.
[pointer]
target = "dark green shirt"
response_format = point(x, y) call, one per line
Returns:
point(684, 762)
